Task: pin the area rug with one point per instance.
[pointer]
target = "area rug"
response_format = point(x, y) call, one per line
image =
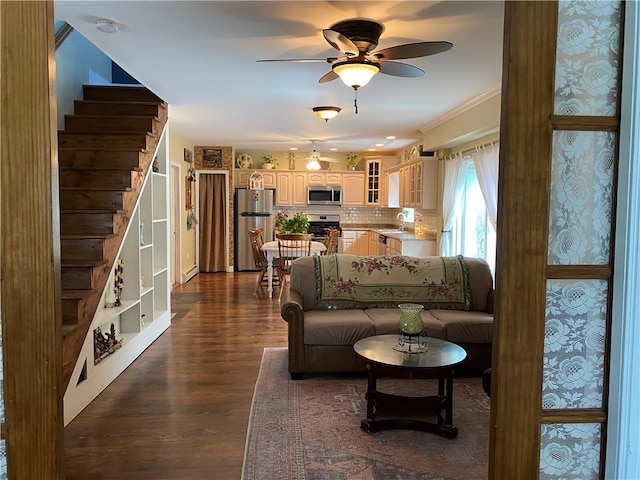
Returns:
point(310, 429)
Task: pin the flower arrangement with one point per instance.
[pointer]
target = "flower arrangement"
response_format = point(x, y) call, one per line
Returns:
point(352, 160)
point(270, 160)
point(299, 223)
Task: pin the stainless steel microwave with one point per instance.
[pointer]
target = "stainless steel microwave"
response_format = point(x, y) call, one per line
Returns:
point(324, 195)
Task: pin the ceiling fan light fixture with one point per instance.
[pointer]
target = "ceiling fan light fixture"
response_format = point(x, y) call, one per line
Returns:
point(313, 164)
point(356, 74)
point(326, 112)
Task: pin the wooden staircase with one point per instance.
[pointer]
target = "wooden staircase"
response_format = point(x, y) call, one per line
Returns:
point(104, 155)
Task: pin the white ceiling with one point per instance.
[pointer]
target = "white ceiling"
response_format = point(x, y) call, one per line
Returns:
point(200, 57)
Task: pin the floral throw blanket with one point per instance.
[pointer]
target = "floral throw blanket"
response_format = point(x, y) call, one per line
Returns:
point(352, 280)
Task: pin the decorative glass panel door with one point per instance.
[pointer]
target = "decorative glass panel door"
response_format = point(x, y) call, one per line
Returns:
point(554, 273)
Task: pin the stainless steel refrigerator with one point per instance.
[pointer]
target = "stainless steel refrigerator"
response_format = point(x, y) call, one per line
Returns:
point(254, 208)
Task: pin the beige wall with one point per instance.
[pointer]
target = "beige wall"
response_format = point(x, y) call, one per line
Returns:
point(299, 162)
point(480, 120)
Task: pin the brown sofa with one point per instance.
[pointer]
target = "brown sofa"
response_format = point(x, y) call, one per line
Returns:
point(321, 337)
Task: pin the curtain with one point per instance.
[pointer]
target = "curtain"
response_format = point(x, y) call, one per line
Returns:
point(213, 218)
point(453, 183)
point(486, 163)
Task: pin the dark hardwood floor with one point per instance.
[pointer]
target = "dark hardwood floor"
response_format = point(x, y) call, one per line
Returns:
point(180, 411)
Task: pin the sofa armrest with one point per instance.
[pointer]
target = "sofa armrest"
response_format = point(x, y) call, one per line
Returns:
point(490, 300)
point(291, 312)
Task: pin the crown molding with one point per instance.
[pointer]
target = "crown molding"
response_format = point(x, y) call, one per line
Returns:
point(484, 96)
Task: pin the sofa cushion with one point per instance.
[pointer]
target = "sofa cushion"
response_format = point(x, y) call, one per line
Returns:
point(466, 327)
point(385, 321)
point(336, 327)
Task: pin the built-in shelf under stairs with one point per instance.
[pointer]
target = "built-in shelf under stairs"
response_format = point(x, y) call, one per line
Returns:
point(104, 154)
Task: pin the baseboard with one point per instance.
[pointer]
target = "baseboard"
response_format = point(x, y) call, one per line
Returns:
point(190, 273)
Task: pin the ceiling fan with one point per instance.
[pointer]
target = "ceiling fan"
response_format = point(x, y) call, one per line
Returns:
point(356, 40)
point(314, 159)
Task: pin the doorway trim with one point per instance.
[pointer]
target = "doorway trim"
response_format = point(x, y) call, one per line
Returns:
point(176, 223)
point(623, 447)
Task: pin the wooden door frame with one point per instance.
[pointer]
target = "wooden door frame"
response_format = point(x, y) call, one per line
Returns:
point(30, 246)
point(175, 179)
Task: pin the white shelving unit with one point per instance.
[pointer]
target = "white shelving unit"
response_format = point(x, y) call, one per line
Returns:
point(146, 306)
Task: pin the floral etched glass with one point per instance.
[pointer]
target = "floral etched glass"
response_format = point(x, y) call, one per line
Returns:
point(574, 344)
point(570, 451)
point(587, 57)
point(581, 201)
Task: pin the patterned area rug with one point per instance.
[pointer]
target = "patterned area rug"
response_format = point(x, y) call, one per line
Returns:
point(310, 429)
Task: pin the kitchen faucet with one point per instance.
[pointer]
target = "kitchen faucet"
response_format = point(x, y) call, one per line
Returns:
point(400, 217)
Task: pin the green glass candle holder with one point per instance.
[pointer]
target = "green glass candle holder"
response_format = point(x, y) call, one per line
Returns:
point(410, 322)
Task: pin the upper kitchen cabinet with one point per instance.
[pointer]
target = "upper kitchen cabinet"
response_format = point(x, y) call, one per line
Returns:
point(353, 184)
point(376, 187)
point(241, 178)
point(291, 188)
point(324, 178)
point(418, 184)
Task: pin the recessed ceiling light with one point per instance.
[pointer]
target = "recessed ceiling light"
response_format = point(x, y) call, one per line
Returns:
point(390, 137)
point(293, 148)
point(379, 144)
point(333, 149)
point(372, 149)
point(107, 26)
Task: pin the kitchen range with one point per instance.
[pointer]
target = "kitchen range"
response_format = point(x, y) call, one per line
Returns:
point(318, 224)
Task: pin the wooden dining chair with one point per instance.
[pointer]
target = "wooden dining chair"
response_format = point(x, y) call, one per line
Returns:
point(257, 240)
point(331, 241)
point(290, 247)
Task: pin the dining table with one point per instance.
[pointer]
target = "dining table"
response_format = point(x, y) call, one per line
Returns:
point(271, 251)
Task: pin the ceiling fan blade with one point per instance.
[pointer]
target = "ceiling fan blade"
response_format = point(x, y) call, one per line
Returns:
point(329, 77)
point(341, 43)
point(412, 50)
point(308, 60)
point(398, 69)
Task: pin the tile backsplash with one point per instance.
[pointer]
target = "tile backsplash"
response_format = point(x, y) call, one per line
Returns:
point(367, 215)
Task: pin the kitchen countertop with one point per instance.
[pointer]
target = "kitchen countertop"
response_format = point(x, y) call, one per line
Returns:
point(390, 231)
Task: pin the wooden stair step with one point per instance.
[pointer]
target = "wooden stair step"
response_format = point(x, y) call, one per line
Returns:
point(100, 159)
point(111, 123)
point(112, 211)
point(70, 329)
point(119, 93)
point(100, 107)
point(84, 199)
point(77, 277)
point(105, 141)
point(83, 263)
point(73, 305)
point(77, 249)
point(85, 236)
point(96, 179)
point(93, 223)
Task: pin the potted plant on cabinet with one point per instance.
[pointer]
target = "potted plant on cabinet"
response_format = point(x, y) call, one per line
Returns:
point(269, 162)
point(352, 160)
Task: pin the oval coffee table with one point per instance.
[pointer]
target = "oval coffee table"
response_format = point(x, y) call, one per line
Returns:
point(438, 362)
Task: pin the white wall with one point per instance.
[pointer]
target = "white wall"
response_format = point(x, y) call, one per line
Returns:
point(78, 62)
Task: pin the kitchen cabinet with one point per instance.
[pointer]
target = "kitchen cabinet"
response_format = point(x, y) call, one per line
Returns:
point(374, 243)
point(291, 189)
point(411, 247)
point(354, 242)
point(241, 178)
point(324, 178)
point(418, 185)
point(353, 189)
point(372, 169)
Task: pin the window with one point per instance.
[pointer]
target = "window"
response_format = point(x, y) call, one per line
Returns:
point(472, 232)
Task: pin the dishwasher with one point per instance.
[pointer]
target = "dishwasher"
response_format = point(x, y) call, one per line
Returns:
point(382, 244)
